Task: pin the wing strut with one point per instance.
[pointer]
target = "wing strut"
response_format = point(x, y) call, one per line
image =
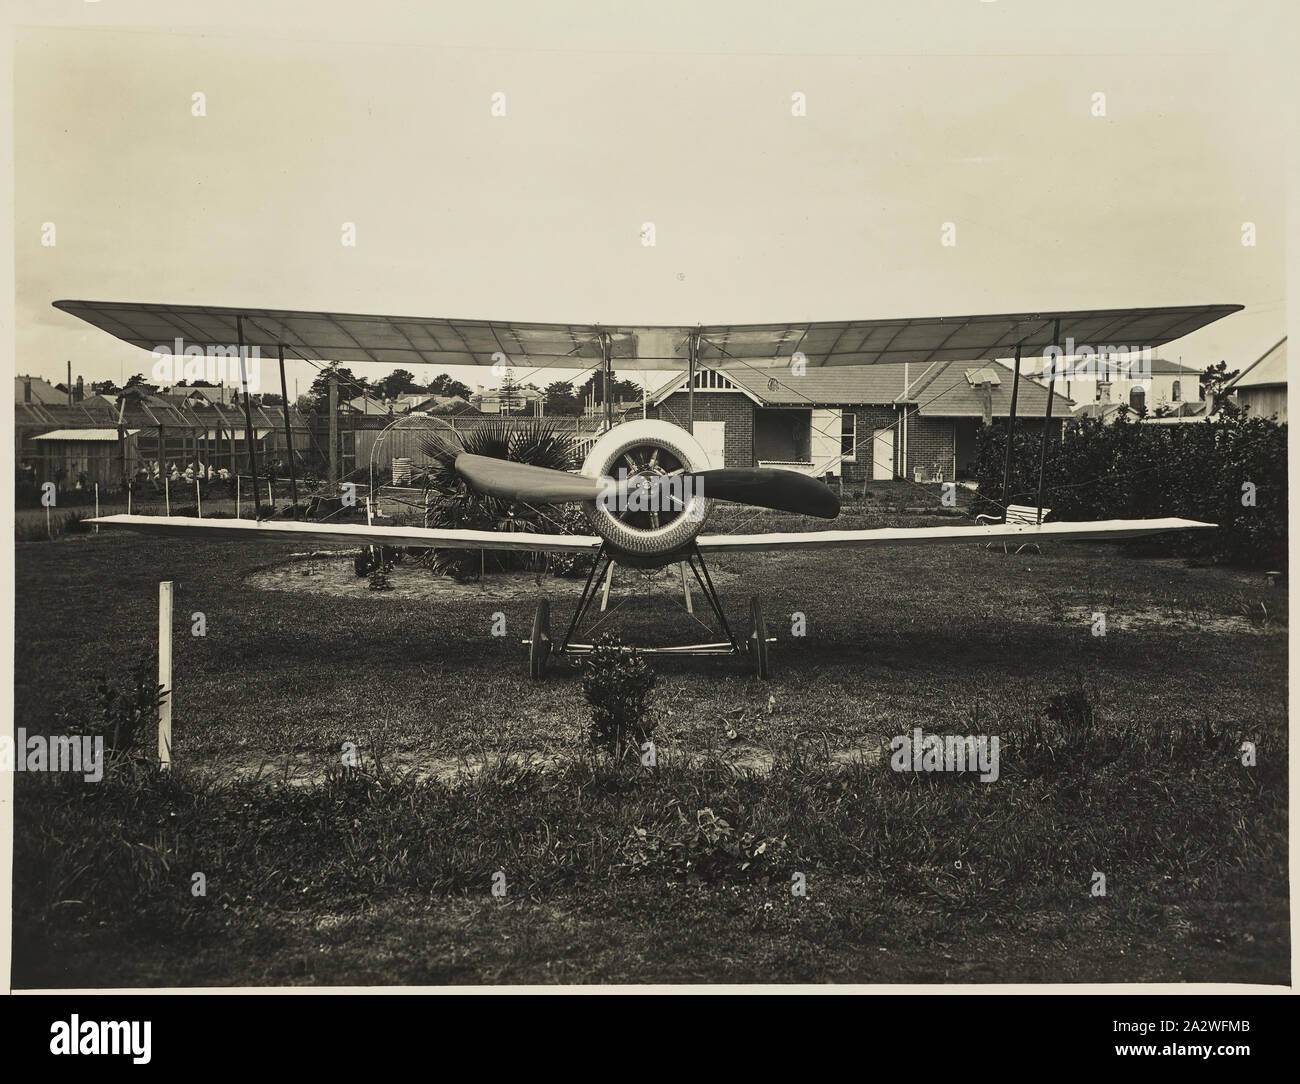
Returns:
point(1047, 416)
point(288, 435)
point(1011, 433)
point(248, 414)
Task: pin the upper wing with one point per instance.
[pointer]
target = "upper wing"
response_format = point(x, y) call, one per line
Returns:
point(922, 536)
point(424, 340)
point(348, 534)
point(958, 338)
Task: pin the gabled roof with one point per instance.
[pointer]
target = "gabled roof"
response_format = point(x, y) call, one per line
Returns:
point(363, 404)
point(1270, 369)
point(42, 390)
point(1176, 368)
point(949, 393)
point(1099, 410)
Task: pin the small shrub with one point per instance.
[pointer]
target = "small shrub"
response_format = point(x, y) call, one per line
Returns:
point(128, 718)
point(617, 685)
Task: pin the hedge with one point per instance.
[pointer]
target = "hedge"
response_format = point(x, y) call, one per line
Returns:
point(1229, 470)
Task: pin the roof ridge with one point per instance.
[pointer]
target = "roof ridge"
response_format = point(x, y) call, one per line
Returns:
point(1258, 361)
point(913, 390)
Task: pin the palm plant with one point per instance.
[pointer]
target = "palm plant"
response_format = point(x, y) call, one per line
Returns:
point(454, 504)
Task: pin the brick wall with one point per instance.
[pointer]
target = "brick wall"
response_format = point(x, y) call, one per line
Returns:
point(931, 442)
point(736, 410)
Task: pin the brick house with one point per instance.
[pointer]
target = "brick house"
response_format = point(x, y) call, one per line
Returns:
point(856, 422)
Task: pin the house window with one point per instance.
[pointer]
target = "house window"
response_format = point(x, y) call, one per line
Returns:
point(848, 436)
point(1178, 391)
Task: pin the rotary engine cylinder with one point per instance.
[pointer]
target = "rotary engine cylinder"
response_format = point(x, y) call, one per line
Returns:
point(653, 505)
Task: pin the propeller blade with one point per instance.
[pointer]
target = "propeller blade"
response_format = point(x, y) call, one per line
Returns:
point(524, 482)
point(764, 487)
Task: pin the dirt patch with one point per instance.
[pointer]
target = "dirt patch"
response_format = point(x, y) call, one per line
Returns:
point(1158, 618)
point(307, 769)
point(332, 574)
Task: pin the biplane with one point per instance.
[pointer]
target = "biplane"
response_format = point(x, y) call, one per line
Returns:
point(647, 487)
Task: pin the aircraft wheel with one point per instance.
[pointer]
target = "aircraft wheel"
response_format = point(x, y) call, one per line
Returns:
point(539, 645)
point(758, 640)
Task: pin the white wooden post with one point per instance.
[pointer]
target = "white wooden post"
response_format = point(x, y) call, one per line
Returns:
point(198, 498)
point(165, 674)
point(236, 496)
point(129, 487)
point(167, 492)
point(97, 506)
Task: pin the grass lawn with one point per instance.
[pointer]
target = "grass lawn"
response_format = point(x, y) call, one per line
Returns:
point(681, 873)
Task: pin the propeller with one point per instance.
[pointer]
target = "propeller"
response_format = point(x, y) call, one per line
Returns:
point(524, 482)
point(762, 487)
point(766, 487)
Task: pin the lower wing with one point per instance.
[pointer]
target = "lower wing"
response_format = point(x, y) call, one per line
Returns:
point(348, 534)
point(929, 536)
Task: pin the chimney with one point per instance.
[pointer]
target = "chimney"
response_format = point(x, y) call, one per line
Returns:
point(81, 389)
point(27, 389)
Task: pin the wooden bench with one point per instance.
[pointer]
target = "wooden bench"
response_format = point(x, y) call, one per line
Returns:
point(1016, 514)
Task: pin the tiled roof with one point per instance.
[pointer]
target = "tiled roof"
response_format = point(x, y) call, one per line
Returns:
point(42, 391)
point(941, 390)
point(1163, 365)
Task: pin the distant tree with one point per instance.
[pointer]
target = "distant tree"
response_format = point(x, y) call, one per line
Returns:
point(562, 399)
point(396, 382)
point(621, 391)
point(511, 401)
point(136, 381)
point(350, 386)
point(442, 384)
point(270, 399)
point(1213, 381)
point(104, 387)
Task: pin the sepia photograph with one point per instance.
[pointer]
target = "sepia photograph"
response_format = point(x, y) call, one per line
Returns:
point(652, 496)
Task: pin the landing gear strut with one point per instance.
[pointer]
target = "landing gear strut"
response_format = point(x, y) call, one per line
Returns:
point(540, 644)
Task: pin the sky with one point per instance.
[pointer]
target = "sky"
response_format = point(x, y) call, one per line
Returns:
point(976, 113)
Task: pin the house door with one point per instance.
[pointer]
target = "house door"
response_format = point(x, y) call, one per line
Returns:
point(825, 441)
point(713, 435)
point(882, 455)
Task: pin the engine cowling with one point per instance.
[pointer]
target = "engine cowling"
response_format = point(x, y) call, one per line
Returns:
point(647, 521)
